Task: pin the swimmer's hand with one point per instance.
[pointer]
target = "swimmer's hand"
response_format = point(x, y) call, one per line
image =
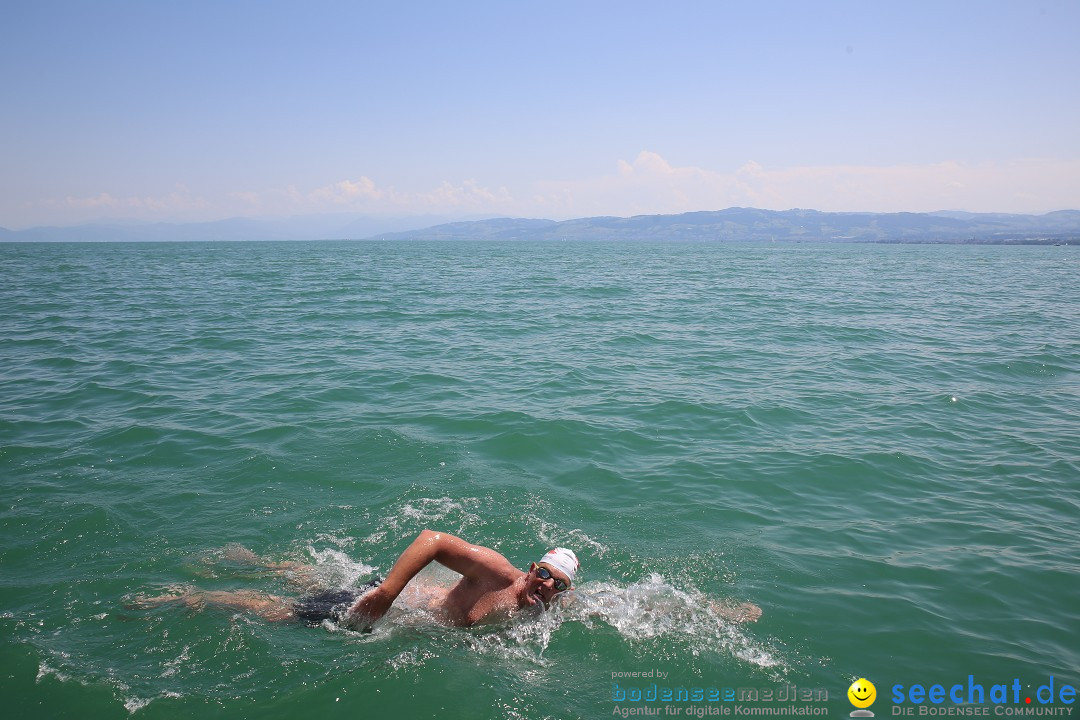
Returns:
point(369, 607)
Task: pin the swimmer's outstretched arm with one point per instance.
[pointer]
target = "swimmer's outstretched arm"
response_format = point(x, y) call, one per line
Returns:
point(475, 562)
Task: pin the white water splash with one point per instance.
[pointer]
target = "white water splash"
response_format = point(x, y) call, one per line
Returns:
point(425, 512)
point(134, 704)
point(44, 670)
point(336, 568)
point(642, 612)
point(654, 608)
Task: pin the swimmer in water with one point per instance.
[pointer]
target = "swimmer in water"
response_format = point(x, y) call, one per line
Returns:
point(490, 589)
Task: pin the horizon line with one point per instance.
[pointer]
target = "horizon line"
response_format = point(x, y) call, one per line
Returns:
point(356, 216)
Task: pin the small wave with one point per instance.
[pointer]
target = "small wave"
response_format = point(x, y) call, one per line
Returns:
point(122, 691)
point(171, 666)
point(554, 536)
point(44, 670)
point(427, 509)
point(134, 704)
point(426, 512)
point(408, 660)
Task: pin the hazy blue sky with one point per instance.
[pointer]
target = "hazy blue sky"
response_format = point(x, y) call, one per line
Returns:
point(206, 110)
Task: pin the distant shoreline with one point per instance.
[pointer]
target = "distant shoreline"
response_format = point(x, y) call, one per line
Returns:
point(733, 225)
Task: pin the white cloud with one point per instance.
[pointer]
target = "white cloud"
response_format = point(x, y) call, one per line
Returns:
point(652, 185)
point(468, 196)
point(178, 201)
point(1037, 185)
point(648, 185)
point(348, 192)
point(98, 201)
point(364, 195)
point(251, 199)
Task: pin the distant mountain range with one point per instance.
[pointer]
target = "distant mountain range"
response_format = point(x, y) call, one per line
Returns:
point(731, 225)
point(306, 227)
point(750, 225)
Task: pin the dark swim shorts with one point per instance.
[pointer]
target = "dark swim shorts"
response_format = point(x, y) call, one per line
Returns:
point(330, 605)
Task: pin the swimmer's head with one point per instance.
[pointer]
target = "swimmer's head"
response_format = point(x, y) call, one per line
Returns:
point(563, 560)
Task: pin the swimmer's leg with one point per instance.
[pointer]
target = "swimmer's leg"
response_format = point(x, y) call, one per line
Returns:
point(240, 555)
point(173, 594)
point(241, 561)
point(743, 612)
point(269, 607)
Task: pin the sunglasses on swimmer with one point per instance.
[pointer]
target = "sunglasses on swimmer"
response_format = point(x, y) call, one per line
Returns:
point(544, 574)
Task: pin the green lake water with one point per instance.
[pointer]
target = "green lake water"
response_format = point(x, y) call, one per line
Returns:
point(879, 445)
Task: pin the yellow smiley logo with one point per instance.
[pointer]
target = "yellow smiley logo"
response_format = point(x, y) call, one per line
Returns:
point(862, 693)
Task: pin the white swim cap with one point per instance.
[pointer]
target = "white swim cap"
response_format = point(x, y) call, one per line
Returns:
point(562, 560)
